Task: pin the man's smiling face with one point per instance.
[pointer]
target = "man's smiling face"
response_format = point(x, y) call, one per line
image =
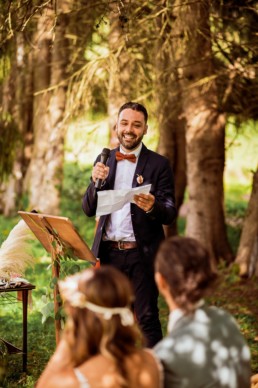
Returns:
point(130, 129)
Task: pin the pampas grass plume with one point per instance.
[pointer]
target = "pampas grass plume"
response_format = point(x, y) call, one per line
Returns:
point(15, 251)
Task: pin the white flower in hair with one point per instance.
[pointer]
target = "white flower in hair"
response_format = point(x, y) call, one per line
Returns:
point(69, 289)
point(70, 293)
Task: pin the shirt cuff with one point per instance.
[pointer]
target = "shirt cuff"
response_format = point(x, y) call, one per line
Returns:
point(149, 211)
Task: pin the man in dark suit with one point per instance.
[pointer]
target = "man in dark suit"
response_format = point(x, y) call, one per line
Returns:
point(129, 238)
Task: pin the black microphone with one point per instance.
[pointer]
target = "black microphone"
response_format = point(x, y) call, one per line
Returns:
point(103, 159)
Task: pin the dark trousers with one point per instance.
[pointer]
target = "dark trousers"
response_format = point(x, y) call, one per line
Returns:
point(146, 293)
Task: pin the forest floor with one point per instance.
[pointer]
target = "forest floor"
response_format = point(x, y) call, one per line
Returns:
point(239, 296)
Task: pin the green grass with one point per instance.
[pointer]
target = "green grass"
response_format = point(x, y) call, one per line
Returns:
point(41, 338)
point(236, 200)
point(241, 152)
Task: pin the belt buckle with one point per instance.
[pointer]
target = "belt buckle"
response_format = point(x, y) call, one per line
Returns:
point(120, 244)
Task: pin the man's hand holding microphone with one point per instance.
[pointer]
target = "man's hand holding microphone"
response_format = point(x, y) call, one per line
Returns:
point(100, 170)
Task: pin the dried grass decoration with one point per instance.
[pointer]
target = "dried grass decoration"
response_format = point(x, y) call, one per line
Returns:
point(15, 251)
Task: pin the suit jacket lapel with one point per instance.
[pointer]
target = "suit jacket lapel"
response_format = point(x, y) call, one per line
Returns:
point(112, 163)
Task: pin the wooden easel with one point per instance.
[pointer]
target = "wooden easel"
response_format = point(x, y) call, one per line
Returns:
point(55, 234)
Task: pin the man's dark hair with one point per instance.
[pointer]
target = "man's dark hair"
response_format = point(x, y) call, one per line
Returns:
point(186, 266)
point(135, 106)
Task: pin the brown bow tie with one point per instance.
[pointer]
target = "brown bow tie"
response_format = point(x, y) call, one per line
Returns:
point(130, 157)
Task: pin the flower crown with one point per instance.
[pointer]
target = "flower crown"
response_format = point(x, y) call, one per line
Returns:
point(69, 292)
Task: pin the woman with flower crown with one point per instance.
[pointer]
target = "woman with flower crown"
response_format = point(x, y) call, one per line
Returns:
point(98, 347)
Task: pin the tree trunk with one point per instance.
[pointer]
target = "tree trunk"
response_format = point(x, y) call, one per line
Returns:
point(169, 106)
point(56, 60)
point(21, 111)
point(7, 107)
point(46, 166)
point(54, 157)
point(119, 87)
point(205, 136)
point(247, 254)
point(41, 123)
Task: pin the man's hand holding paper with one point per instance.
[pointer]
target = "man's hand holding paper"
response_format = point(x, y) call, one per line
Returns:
point(110, 201)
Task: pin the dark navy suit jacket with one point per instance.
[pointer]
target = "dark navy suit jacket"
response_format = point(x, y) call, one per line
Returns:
point(148, 230)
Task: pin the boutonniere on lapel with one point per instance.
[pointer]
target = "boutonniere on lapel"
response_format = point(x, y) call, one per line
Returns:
point(139, 179)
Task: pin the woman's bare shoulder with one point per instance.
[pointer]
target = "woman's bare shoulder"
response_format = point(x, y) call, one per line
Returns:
point(147, 371)
point(145, 356)
point(142, 366)
point(60, 380)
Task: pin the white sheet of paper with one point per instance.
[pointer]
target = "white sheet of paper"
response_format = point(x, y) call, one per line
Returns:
point(110, 201)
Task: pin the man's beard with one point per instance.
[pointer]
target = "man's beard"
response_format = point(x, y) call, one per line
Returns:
point(132, 144)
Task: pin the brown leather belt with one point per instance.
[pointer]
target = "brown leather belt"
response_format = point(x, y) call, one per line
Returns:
point(122, 245)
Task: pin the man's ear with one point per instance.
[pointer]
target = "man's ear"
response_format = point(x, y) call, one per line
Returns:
point(146, 129)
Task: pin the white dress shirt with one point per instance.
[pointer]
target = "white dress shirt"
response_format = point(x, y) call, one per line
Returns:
point(119, 225)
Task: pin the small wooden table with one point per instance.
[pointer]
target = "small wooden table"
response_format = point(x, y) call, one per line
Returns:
point(11, 348)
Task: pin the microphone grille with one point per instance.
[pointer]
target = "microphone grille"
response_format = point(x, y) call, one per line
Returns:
point(105, 151)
